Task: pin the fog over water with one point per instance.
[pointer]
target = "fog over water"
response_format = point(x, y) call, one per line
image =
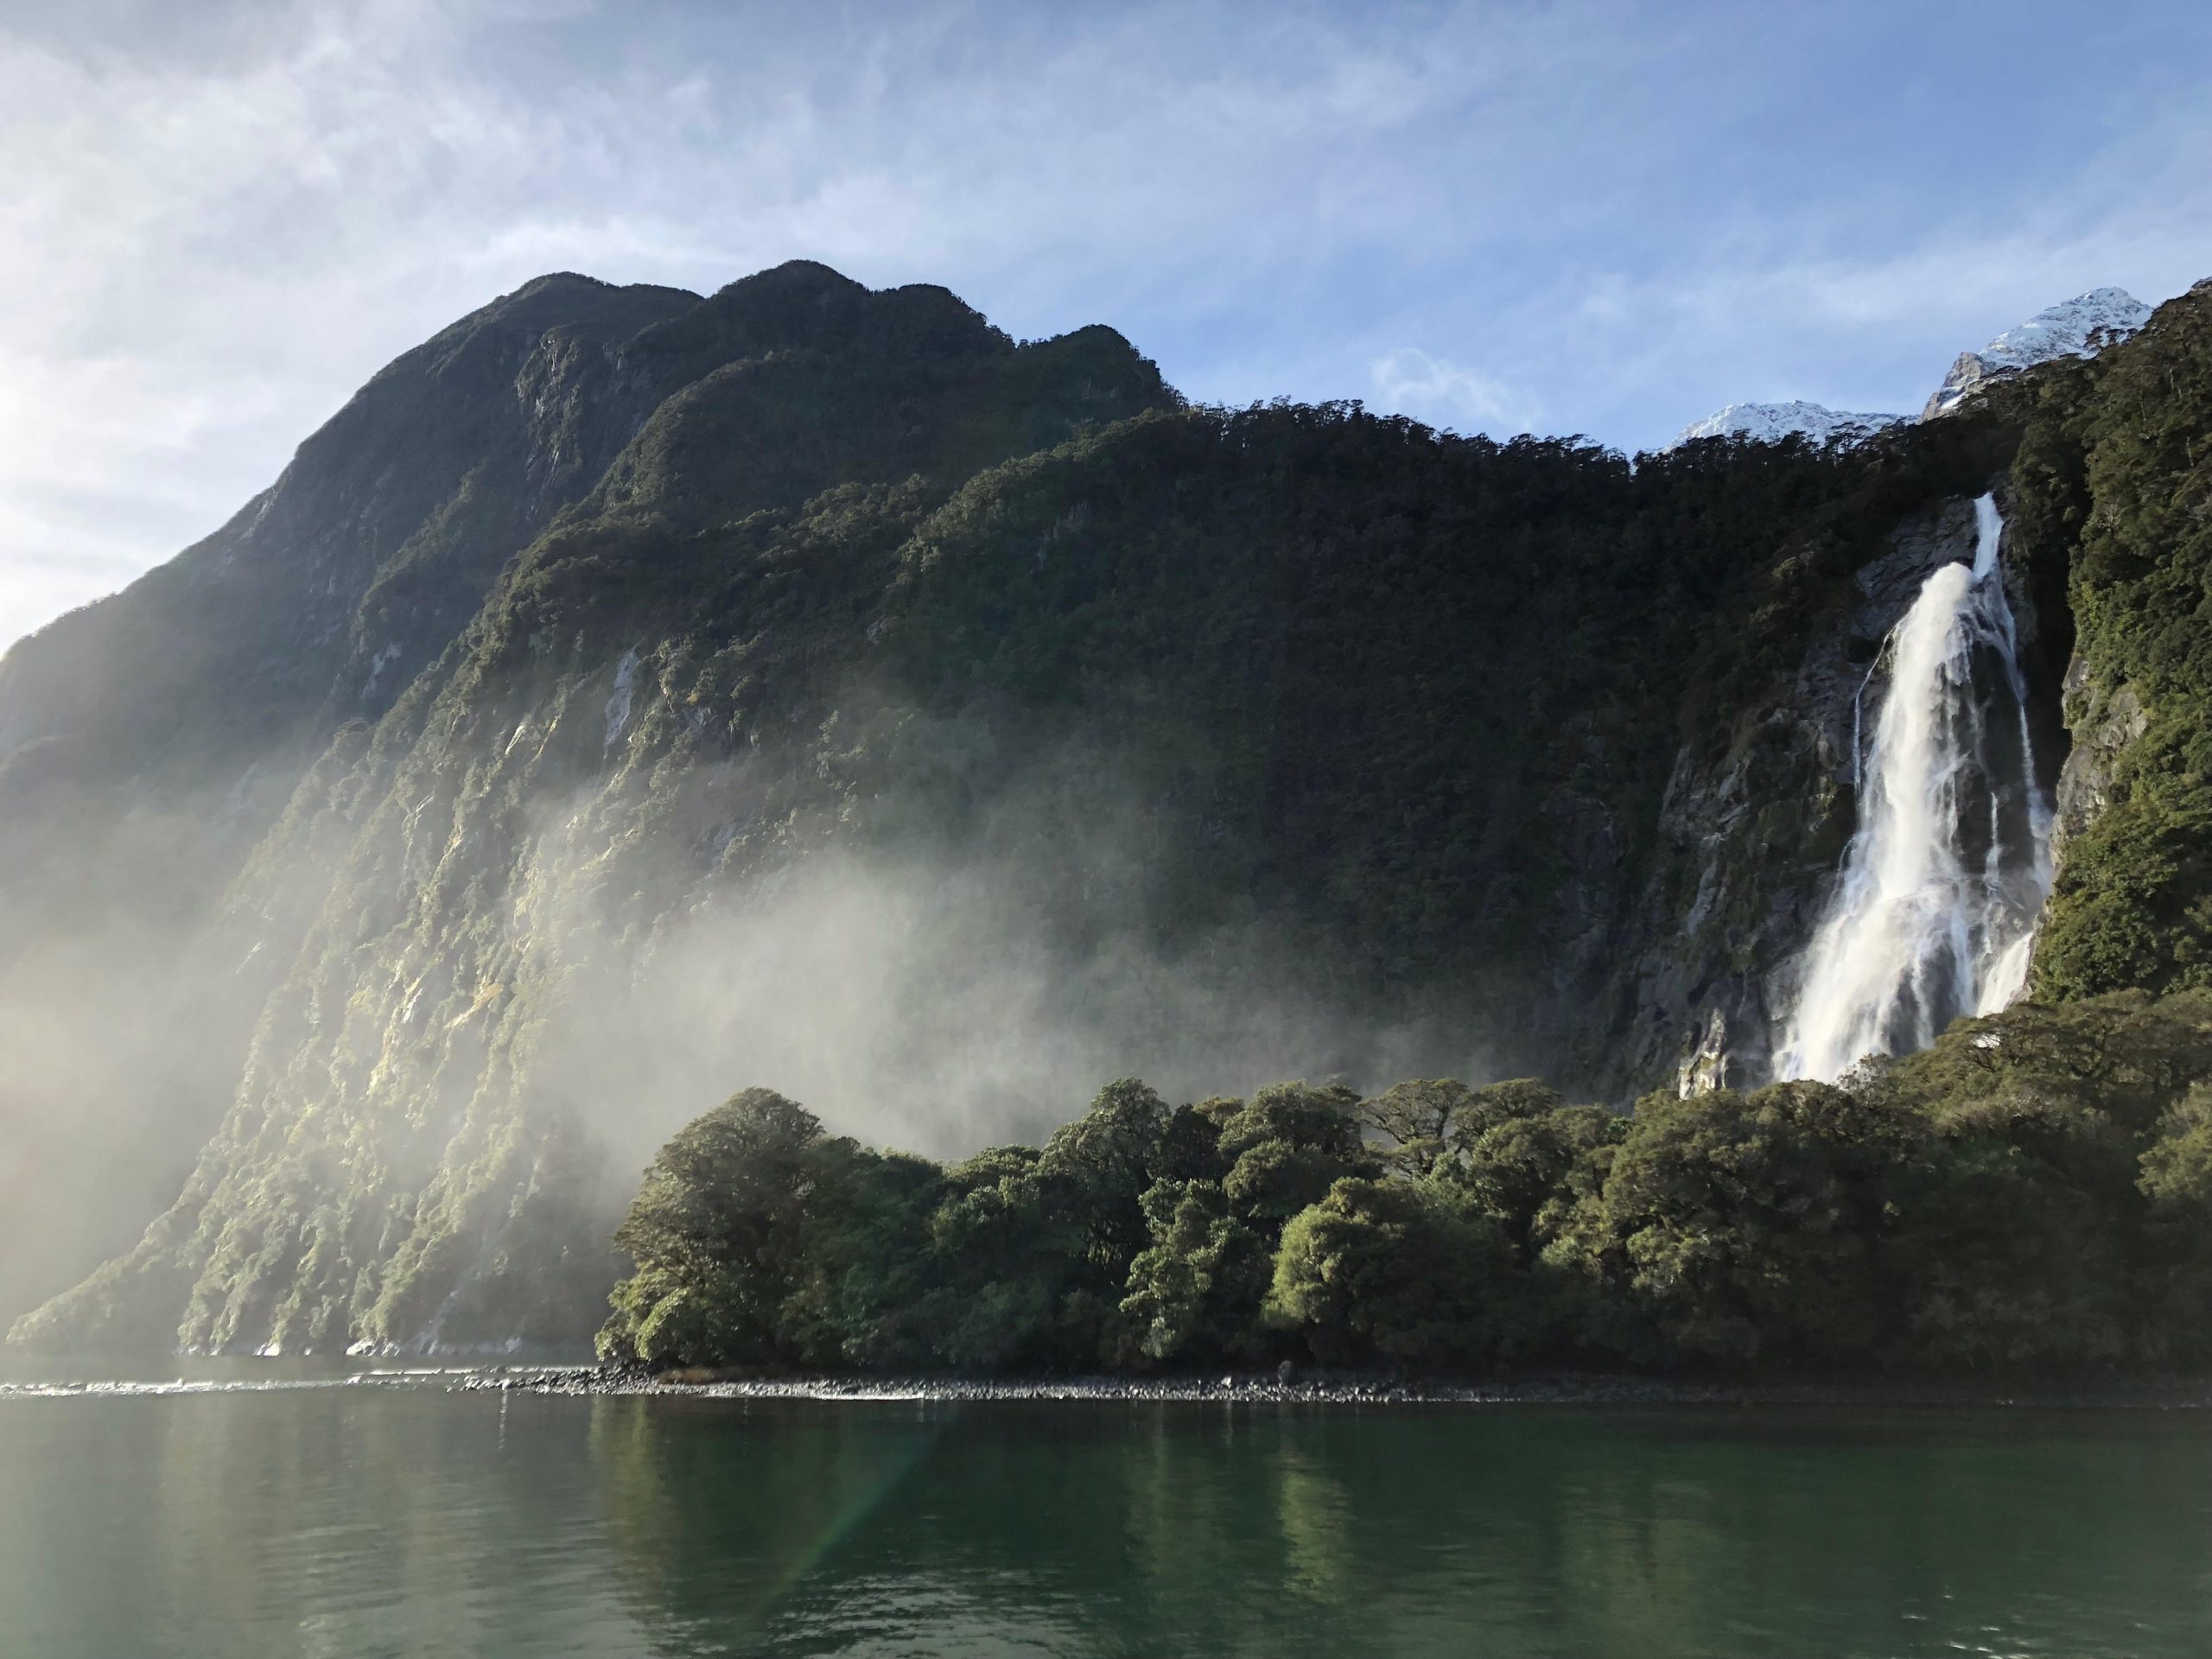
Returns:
point(126, 1009)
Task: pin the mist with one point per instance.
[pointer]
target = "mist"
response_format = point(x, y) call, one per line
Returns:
point(358, 1019)
point(125, 1008)
point(943, 997)
point(931, 1010)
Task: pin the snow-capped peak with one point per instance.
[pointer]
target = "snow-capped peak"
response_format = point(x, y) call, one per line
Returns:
point(2079, 328)
point(1771, 422)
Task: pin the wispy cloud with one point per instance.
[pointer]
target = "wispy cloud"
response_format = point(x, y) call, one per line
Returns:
point(1410, 381)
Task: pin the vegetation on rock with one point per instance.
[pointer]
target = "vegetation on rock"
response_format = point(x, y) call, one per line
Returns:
point(635, 604)
point(2117, 462)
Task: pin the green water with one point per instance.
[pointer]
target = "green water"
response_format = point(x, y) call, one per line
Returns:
point(415, 1520)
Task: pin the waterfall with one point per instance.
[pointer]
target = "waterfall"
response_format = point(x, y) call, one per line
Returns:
point(1936, 910)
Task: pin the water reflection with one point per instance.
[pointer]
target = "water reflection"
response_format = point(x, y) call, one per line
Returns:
point(1053, 1529)
point(406, 1521)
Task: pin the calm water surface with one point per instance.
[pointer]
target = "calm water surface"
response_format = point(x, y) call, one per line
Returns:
point(409, 1519)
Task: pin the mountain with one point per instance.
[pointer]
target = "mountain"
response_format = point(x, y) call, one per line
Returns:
point(151, 742)
point(632, 695)
point(1771, 422)
point(2079, 327)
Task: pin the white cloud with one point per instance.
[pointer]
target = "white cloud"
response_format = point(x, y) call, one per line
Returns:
point(1410, 381)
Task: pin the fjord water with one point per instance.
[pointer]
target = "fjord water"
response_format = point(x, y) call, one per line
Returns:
point(1934, 914)
point(398, 1518)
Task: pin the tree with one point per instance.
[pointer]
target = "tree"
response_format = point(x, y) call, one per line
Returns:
point(2125, 1055)
point(1194, 1295)
point(717, 1234)
point(866, 1266)
point(1732, 1229)
point(2176, 1182)
point(1513, 1101)
point(1405, 1273)
point(1002, 1255)
point(1413, 1118)
point(1034, 1248)
point(1287, 1147)
point(2001, 1256)
point(1527, 1174)
point(1098, 1168)
point(2045, 1228)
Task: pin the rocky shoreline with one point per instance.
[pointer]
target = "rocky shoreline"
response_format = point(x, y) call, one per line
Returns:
point(1338, 1389)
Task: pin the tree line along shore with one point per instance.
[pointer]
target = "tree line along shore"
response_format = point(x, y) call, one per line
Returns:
point(2032, 1194)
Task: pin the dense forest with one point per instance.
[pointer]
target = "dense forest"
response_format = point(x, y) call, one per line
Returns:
point(2034, 1191)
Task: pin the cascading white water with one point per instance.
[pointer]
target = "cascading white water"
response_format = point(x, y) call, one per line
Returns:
point(1935, 912)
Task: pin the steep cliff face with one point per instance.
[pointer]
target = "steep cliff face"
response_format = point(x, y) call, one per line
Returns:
point(1205, 745)
point(1756, 834)
point(2104, 725)
point(934, 726)
point(147, 741)
point(2103, 451)
point(2116, 468)
point(151, 743)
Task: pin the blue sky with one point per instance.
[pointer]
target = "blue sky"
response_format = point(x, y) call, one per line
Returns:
point(1587, 216)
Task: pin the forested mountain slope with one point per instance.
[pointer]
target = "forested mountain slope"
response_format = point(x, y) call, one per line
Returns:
point(149, 742)
point(817, 688)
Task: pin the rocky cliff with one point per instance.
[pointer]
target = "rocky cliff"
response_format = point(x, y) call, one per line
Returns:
point(148, 742)
point(151, 743)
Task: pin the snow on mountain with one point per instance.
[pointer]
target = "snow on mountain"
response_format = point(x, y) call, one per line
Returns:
point(2080, 327)
point(1770, 422)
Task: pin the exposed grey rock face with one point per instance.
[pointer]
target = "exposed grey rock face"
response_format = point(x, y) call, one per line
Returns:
point(1756, 839)
point(2103, 724)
